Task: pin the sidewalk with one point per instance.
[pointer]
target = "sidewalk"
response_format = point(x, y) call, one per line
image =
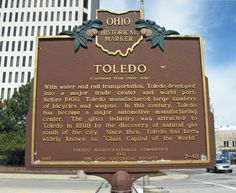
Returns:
point(73, 177)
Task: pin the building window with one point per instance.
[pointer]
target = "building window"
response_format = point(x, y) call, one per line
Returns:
point(11, 61)
point(2, 93)
point(16, 16)
point(234, 143)
point(25, 46)
point(5, 61)
point(28, 76)
point(23, 3)
point(45, 30)
point(226, 143)
point(0, 61)
point(76, 16)
point(29, 3)
point(32, 31)
point(28, 16)
point(85, 16)
point(10, 77)
point(1, 45)
point(70, 16)
point(58, 3)
point(13, 46)
point(7, 46)
point(19, 46)
point(22, 16)
point(65, 3)
point(12, 2)
point(41, 3)
point(4, 17)
point(17, 61)
point(40, 16)
point(53, 3)
point(34, 16)
point(46, 16)
point(51, 29)
point(20, 31)
point(8, 93)
point(6, 2)
point(77, 3)
point(3, 31)
point(18, 3)
point(30, 61)
point(71, 3)
point(35, 3)
point(23, 61)
point(10, 17)
point(16, 77)
point(64, 16)
point(31, 45)
point(58, 16)
point(3, 77)
point(86, 4)
point(9, 31)
point(14, 31)
point(39, 29)
point(22, 77)
point(63, 28)
point(26, 30)
point(57, 29)
point(47, 3)
point(52, 16)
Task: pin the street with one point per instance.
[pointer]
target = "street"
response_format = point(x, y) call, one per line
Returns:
point(177, 181)
point(199, 181)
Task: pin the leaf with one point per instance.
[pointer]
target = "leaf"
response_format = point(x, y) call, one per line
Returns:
point(97, 21)
point(162, 43)
point(170, 32)
point(82, 41)
point(79, 33)
point(141, 23)
point(86, 23)
point(155, 41)
point(95, 25)
point(67, 32)
point(83, 33)
point(150, 22)
point(76, 44)
point(154, 33)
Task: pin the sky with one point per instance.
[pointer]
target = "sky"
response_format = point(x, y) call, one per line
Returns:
point(215, 21)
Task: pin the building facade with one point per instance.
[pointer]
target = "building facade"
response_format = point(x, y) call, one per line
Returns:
point(21, 21)
point(226, 141)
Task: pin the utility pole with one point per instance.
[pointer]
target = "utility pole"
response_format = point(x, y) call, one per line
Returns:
point(142, 8)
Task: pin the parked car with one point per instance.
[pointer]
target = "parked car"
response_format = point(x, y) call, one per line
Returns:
point(221, 165)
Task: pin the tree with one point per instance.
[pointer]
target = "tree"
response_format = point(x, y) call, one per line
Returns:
point(15, 109)
point(1, 111)
point(13, 114)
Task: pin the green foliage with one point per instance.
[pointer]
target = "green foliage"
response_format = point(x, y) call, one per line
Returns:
point(79, 33)
point(1, 111)
point(12, 126)
point(12, 147)
point(158, 33)
point(15, 109)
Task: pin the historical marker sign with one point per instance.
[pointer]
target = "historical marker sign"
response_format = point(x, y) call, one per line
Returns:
point(120, 103)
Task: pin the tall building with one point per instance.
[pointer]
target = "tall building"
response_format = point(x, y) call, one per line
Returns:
point(21, 21)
